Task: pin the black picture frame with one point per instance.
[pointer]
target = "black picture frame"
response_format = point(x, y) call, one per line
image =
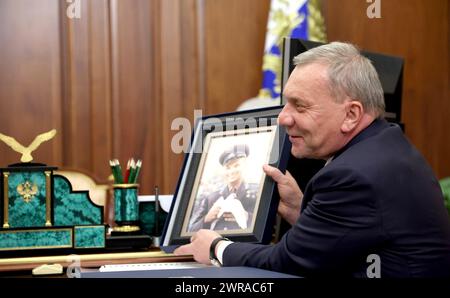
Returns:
point(259, 129)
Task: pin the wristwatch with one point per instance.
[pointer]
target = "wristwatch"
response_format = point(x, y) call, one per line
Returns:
point(212, 251)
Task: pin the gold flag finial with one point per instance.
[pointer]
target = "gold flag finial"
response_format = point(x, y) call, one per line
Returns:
point(26, 151)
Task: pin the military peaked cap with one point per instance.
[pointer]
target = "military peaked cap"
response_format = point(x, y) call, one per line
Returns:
point(237, 151)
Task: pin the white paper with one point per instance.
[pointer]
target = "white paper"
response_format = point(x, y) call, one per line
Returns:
point(151, 266)
point(164, 200)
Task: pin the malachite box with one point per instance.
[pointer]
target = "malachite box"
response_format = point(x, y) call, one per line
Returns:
point(40, 211)
point(26, 196)
point(28, 239)
point(78, 237)
point(89, 236)
point(147, 219)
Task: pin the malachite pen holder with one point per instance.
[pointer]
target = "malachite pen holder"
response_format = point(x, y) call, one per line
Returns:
point(126, 208)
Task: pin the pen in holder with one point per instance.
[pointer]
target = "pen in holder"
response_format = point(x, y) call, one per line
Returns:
point(126, 207)
point(156, 235)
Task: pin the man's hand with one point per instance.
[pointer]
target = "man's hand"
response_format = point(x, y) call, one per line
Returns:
point(213, 213)
point(290, 194)
point(199, 246)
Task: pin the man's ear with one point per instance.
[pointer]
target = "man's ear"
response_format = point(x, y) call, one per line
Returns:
point(353, 114)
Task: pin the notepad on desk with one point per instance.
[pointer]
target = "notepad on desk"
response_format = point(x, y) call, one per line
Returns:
point(151, 266)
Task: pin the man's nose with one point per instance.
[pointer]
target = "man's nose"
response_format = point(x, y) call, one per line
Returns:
point(285, 116)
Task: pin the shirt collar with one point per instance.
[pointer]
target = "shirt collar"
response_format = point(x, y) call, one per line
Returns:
point(328, 161)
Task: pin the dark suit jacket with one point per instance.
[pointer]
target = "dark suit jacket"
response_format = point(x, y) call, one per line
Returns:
point(377, 196)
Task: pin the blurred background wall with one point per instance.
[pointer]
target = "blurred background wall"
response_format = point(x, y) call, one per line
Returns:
point(112, 81)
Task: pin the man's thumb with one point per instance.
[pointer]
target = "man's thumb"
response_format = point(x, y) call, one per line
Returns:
point(183, 250)
point(274, 173)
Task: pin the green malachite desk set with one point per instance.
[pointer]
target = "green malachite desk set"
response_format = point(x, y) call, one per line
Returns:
point(40, 212)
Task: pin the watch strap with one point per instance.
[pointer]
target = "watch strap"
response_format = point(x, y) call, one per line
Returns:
point(212, 250)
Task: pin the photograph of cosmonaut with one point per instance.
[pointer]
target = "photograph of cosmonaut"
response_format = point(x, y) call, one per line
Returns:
point(229, 181)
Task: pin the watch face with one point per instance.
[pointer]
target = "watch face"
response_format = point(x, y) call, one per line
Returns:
point(215, 262)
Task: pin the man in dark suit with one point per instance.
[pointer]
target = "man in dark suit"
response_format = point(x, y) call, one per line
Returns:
point(230, 207)
point(375, 208)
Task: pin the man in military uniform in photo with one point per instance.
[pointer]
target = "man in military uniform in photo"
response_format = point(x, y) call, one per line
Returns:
point(230, 207)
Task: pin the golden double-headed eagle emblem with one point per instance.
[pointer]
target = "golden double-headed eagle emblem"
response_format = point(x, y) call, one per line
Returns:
point(27, 190)
point(26, 151)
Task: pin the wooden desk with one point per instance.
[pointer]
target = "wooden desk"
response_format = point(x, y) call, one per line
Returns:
point(23, 266)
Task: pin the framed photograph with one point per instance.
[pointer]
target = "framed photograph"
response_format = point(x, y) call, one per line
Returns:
point(222, 185)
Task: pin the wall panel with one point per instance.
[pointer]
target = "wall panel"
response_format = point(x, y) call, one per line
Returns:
point(30, 77)
point(133, 86)
point(418, 31)
point(234, 45)
point(100, 93)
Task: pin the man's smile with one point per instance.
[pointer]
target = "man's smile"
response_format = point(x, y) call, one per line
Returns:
point(294, 138)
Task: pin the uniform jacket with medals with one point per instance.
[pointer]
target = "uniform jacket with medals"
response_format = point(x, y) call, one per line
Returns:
point(246, 194)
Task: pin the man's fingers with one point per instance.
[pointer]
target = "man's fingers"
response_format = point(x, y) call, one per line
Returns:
point(274, 173)
point(184, 250)
point(288, 175)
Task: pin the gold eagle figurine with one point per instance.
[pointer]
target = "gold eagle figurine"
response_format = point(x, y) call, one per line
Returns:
point(26, 151)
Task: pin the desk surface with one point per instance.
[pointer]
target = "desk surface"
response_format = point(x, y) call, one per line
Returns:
point(89, 260)
point(23, 266)
point(205, 272)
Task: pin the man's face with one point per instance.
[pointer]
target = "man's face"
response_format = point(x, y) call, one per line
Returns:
point(311, 116)
point(233, 170)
